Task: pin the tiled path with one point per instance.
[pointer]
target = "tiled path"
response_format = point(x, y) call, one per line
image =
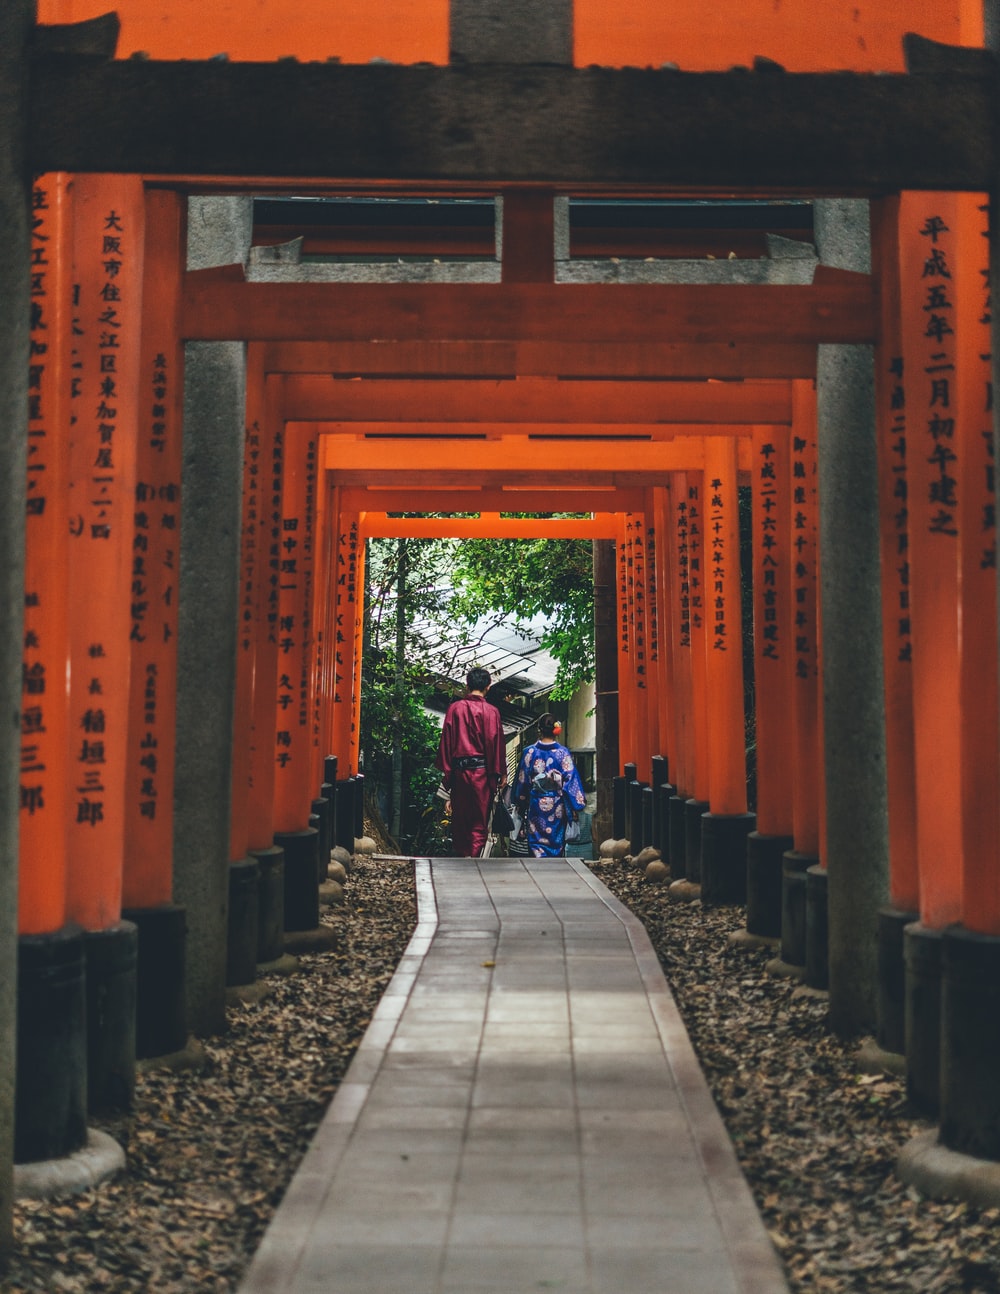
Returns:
point(525, 1113)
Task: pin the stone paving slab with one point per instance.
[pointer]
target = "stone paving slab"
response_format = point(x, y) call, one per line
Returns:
point(524, 1113)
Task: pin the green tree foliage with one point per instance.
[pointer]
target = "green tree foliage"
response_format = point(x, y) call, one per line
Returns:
point(526, 578)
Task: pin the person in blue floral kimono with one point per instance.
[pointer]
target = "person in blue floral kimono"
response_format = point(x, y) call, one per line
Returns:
point(548, 791)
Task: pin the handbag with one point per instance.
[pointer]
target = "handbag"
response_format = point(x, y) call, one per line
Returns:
point(503, 822)
point(572, 822)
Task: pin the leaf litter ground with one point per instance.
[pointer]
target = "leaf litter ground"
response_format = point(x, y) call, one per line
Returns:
point(210, 1154)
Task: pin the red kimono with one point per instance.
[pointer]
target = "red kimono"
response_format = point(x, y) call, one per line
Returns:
point(472, 757)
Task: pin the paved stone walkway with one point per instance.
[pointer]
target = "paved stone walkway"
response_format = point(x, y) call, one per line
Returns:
point(525, 1113)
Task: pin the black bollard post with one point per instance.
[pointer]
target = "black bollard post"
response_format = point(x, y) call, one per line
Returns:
point(359, 805)
point(619, 807)
point(635, 817)
point(344, 822)
point(647, 801)
point(330, 768)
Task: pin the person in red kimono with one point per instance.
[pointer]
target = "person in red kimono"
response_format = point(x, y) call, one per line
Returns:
point(472, 758)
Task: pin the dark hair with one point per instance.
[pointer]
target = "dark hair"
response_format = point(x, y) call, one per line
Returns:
point(477, 679)
point(547, 724)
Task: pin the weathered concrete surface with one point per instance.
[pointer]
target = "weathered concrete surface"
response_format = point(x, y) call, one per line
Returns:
point(211, 486)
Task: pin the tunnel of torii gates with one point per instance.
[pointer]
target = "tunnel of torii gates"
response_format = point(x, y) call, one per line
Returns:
point(174, 782)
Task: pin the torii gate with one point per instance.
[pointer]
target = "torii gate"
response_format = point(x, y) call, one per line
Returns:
point(131, 116)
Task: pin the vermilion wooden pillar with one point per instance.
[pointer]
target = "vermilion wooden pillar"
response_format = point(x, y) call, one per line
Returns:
point(725, 828)
point(929, 260)
point(638, 645)
point(805, 693)
point(149, 788)
point(44, 788)
point(970, 990)
point(348, 609)
point(626, 708)
point(774, 727)
point(895, 437)
point(698, 564)
point(355, 731)
point(681, 668)
point(292, 754)
point(104, 596)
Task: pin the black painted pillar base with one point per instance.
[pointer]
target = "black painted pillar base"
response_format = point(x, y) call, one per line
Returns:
point(324, 825)
point(111, 958)
point(270, 902)
point(619, 802)
point(636, 840)
point(50, 1108)
point(241, 928)
point(301, 886)
point(358, 782)
point(343, 827)
point(661, 818)
point(970, 1043)
point(161, 1015)
point(677, 835)
point(694, 811)
point(817, 937)
point(922, 1016)
point(794, 866)
point(890, 1028)
point(764, 854)
point(724, 857)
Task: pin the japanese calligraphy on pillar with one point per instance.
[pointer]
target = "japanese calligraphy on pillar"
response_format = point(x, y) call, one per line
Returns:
point(683, 573)
point(695, 556)
point(347, 574)
point(251, 531)
point(718, 559)
point(804, 555)
point(768, 512)
point(988, 553)
point(638, 591)
point(897, 576)
point(40, 625)
point(937, 511)
point(623, 589)
point(306, 576)
point(653, 617)
point(274, 538)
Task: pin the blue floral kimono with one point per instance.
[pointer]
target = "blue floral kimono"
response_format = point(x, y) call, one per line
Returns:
point(546, 780)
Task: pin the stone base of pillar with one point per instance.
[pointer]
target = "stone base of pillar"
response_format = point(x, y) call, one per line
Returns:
point(677, 834)
point(944, 1174)
point(817, 942)
point(724, 857)
point(764, 854)
point(684, 891)
point(50, 1109)
point(794, 866)
point(890, 1029)
point(922, 1016)
point(111, 958)
point(270, 902)
point(161, 1015)
point(99, 1158)
point(242, 919)
point(873, 1059)
point(318, 939)
point(970, 1043)
point(301, 885)
point(694, 811)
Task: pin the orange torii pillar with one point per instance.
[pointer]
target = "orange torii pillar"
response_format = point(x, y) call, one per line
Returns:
point(725, 827)
point(264, 472)
point(639, 703)
point(109, 221)
point(658, 547)
point(699, 562)
point(161, 1024)
point(929, 279)
point(774, 727)
point(897, 644)
point(803, 629)
point(292, 752)
point(682, 765)
point(605, 685)
point(51, 1113)
point(627, 768)
point(844, 900)
point(970, 981)
point(347, 604)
